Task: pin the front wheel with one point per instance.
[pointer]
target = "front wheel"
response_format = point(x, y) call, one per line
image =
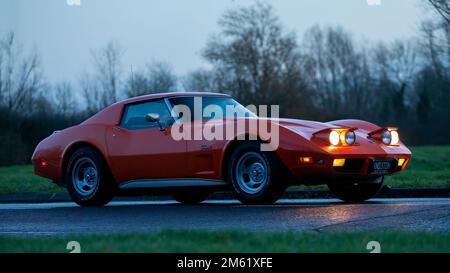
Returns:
point(357, 192)
point(88, 179)
point(255, 176)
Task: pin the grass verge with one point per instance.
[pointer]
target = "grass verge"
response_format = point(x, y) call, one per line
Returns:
point(21, 179)
point(235, 242)
point(429, 168)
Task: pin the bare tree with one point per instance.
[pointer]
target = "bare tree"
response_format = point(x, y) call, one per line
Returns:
point(136, 85)
point(394, 68)
point(200, 80)
point(102, 87)
point(161, 77)
point(92, 95)
point(254, 58)
point(20, 76)
point(157, 78)
point(432, 82)
point(337, 71)
point(435, 32)
point(442, 7)
point(435, 46)
point(64, 98)
point(397, 61)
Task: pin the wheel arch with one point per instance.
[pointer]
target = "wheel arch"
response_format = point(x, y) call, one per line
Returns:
point(72, 148)
point(231, 146)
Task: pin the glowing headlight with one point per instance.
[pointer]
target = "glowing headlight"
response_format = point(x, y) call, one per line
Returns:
point(386, 137)
point(334, 138)
point(394, 138)
point(350, 137)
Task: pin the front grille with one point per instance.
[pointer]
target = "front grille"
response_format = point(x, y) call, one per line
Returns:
point(356, 165)
point(352, 165)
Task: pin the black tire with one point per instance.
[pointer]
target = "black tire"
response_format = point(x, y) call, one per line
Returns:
point(102, 191)
point(269, 191)
point(191, 197)
point(357, 192)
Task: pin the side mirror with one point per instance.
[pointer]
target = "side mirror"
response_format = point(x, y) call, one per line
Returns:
point(152, 117)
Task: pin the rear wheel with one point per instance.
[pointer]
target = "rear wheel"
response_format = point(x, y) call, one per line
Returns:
point(88, 179)
point(357, 192)
point(191, 197)
point(255, 176)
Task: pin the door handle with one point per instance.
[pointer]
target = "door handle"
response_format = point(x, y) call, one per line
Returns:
point(205, 147)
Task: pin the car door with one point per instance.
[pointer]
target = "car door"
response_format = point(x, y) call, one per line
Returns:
point(202, 155)
point(139, 150)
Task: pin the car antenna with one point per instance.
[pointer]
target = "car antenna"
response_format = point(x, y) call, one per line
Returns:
point(132, 76)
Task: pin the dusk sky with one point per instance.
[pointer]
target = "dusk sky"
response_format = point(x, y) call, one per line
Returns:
point(176, 31)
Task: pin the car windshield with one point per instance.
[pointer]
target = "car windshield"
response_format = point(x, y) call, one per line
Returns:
point(212, 107)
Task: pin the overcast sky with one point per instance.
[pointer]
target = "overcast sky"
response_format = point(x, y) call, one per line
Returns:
point(176, 30)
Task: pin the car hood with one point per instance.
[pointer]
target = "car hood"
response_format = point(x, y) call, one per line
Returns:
point(305, 124)
point(304, 127)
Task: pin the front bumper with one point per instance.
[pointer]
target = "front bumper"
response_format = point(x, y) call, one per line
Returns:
point(321, 170)
point(369, 166)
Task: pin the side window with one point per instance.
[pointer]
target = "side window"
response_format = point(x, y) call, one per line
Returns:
point(220, 103)
point(134, 115)
point(189, 102)
point(186, 101)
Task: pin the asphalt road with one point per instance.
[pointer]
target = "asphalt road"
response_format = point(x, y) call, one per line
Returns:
point(301, 215)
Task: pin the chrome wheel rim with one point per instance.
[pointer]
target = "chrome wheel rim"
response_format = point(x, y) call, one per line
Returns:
point(251, 172)
point(85, 176)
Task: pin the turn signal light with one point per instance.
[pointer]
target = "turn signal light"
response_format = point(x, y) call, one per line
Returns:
point(306, 160)
point(340, 162)
point(401, 161)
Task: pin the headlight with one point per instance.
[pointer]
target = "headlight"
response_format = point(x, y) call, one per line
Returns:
point(386, 137)
point(395, 139)
point(350, 137)
point(334, 138)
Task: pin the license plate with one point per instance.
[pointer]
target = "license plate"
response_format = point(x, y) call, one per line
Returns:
point(381, 166)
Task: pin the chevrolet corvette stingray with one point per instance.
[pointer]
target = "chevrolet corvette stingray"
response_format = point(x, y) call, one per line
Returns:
point(128, 148)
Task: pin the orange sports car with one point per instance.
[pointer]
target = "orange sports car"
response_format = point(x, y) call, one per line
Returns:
point(135, 147)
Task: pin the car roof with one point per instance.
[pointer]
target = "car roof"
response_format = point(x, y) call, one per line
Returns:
point(172, 95)
point(111, 114)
